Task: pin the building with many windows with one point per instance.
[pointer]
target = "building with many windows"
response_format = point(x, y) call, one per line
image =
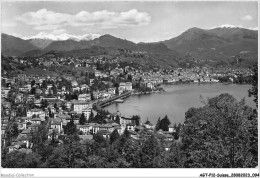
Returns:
point(84, 97)
point(37, 112)
point(128, 86)
point(79, 106)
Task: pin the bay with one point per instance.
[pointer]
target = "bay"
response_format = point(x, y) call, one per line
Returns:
point(176, 101)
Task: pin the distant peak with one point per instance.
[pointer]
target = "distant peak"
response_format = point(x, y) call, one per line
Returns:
point(194, 28)
point(62, 37)
point(107, 36)
point(227, 26)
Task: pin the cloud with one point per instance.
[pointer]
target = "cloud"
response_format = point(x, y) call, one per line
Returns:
point(58, 31)
point(48, 27)
point(8, 25)
point(44, 19)
point(247, 18)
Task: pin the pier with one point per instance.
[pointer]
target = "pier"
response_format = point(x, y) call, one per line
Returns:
point(107, 102)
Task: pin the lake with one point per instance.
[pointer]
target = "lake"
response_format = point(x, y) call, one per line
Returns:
point(176, 101)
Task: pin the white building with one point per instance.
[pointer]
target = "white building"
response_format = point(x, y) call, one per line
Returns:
point(150, 85)
point(86, 129)
point(97, 73)
point(84, 97)
point(38, 112)
point(79, 106)
point(128, 86)
point(5, 92)
point(74, 83)
point(84, 87)
point(56, 124)
point(122, 85)
point(112, 91)
point(49, 86)
point(87, 112)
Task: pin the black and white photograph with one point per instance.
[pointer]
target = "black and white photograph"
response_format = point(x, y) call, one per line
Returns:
point(129, 84)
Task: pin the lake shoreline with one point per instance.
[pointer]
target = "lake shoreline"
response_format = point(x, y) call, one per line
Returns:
point(191, 83)
point(176, 100)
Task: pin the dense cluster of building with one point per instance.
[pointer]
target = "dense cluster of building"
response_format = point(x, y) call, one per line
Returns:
point(40, 95)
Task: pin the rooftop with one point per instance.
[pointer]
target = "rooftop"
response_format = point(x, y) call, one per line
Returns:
point(26, 131)
point(56, 121)
point(35, 110)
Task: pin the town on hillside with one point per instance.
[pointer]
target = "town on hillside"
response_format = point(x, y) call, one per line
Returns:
point(53, 92)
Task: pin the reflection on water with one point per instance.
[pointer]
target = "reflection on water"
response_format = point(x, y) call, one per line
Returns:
point(176, 101)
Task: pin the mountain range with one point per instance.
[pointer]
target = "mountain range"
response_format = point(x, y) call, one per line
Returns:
point(217, 42)
point(220, 42)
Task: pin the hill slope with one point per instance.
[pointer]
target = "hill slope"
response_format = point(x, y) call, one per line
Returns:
point(40, 43)
point(215, 43)
point(13, 46)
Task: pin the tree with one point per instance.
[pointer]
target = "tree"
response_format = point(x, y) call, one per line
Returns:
point(11, 96)
point(51, 115)
point(126, 133)
point(174, 157)
point(91, 117)
point(164, 124)
point(45, 150)
point(55, 106)
point(114, 136)
point(70, 128)
point(99, 141)
point(44, 84)
point(254, 90)
point(17, 159)
point(44, 104)
point(28, 123)
point(158, 124)
point(92, 95)
point(33, 90)
point(219, 134)
point(11, 131)
point(149, 153)
point(67, 155)
point(136, 119)
point(128, 149)
point(117, 91)
point(117, 119)
point(100, 118)
point(54, 89)
point(30, 104)
point(40, 137)
point(82, 119)
point(32, 83)
point(147, 121)
point(177, 129)
point(129, 78)
point(63, 106)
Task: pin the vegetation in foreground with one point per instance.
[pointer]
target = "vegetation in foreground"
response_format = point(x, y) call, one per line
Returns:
point(221, 134)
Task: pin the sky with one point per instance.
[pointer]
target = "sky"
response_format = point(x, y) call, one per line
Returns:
point(135, 21)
